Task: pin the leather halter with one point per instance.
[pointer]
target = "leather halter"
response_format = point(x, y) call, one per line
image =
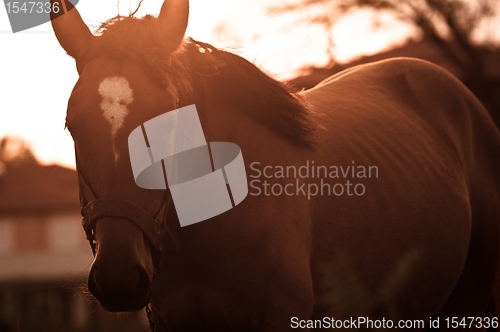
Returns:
point(94, 208)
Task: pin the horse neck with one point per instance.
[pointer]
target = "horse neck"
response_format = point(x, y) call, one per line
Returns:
point(224, 121)
point(257, 142)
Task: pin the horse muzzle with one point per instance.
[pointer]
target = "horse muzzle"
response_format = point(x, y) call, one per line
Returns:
point(120, 291)
point(122, 271)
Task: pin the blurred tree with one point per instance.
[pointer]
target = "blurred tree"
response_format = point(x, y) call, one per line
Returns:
point(463, 29)
point(453, 24)
point(14, 150)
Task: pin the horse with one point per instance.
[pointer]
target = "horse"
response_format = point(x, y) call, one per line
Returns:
point(381, 206)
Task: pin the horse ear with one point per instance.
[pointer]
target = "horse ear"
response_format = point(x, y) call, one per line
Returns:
point(173, 20)
point(71, 32)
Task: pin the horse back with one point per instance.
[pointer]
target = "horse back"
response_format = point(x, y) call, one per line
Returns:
point(436, 102)
point(436, 205)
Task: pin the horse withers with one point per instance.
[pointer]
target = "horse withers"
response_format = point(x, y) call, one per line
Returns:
point(373, 196)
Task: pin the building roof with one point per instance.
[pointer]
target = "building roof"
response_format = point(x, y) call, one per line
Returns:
point(31, 188)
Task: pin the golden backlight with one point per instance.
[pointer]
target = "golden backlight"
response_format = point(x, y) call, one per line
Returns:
point(279, 44)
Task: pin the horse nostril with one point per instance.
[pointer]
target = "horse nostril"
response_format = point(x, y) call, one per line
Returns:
point(143, 282)
point(120, 291)
point(92, 284)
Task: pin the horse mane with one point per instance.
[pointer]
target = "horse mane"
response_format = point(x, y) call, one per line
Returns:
point(205, 74)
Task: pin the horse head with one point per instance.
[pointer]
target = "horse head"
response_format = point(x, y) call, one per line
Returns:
point(115, 94)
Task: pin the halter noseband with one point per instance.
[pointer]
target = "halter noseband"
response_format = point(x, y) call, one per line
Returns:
point(94, 209)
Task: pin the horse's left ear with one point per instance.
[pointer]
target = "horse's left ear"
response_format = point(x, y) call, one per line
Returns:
point(173, 20)
point(71, 32)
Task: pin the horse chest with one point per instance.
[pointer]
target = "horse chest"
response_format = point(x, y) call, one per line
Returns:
point(201, 308)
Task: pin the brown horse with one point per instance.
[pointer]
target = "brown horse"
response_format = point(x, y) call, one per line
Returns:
point(373, 196)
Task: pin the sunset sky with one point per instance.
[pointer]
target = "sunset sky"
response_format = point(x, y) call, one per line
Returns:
point(36, 76)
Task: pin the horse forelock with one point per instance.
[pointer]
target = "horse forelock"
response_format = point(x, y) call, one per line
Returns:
point(203, 74)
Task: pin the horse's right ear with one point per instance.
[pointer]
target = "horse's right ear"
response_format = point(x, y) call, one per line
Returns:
point(71, 32)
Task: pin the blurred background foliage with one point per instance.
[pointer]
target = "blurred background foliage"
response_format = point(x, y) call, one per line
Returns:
point(467, 32)
point(15, 150)
point(464, 29)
